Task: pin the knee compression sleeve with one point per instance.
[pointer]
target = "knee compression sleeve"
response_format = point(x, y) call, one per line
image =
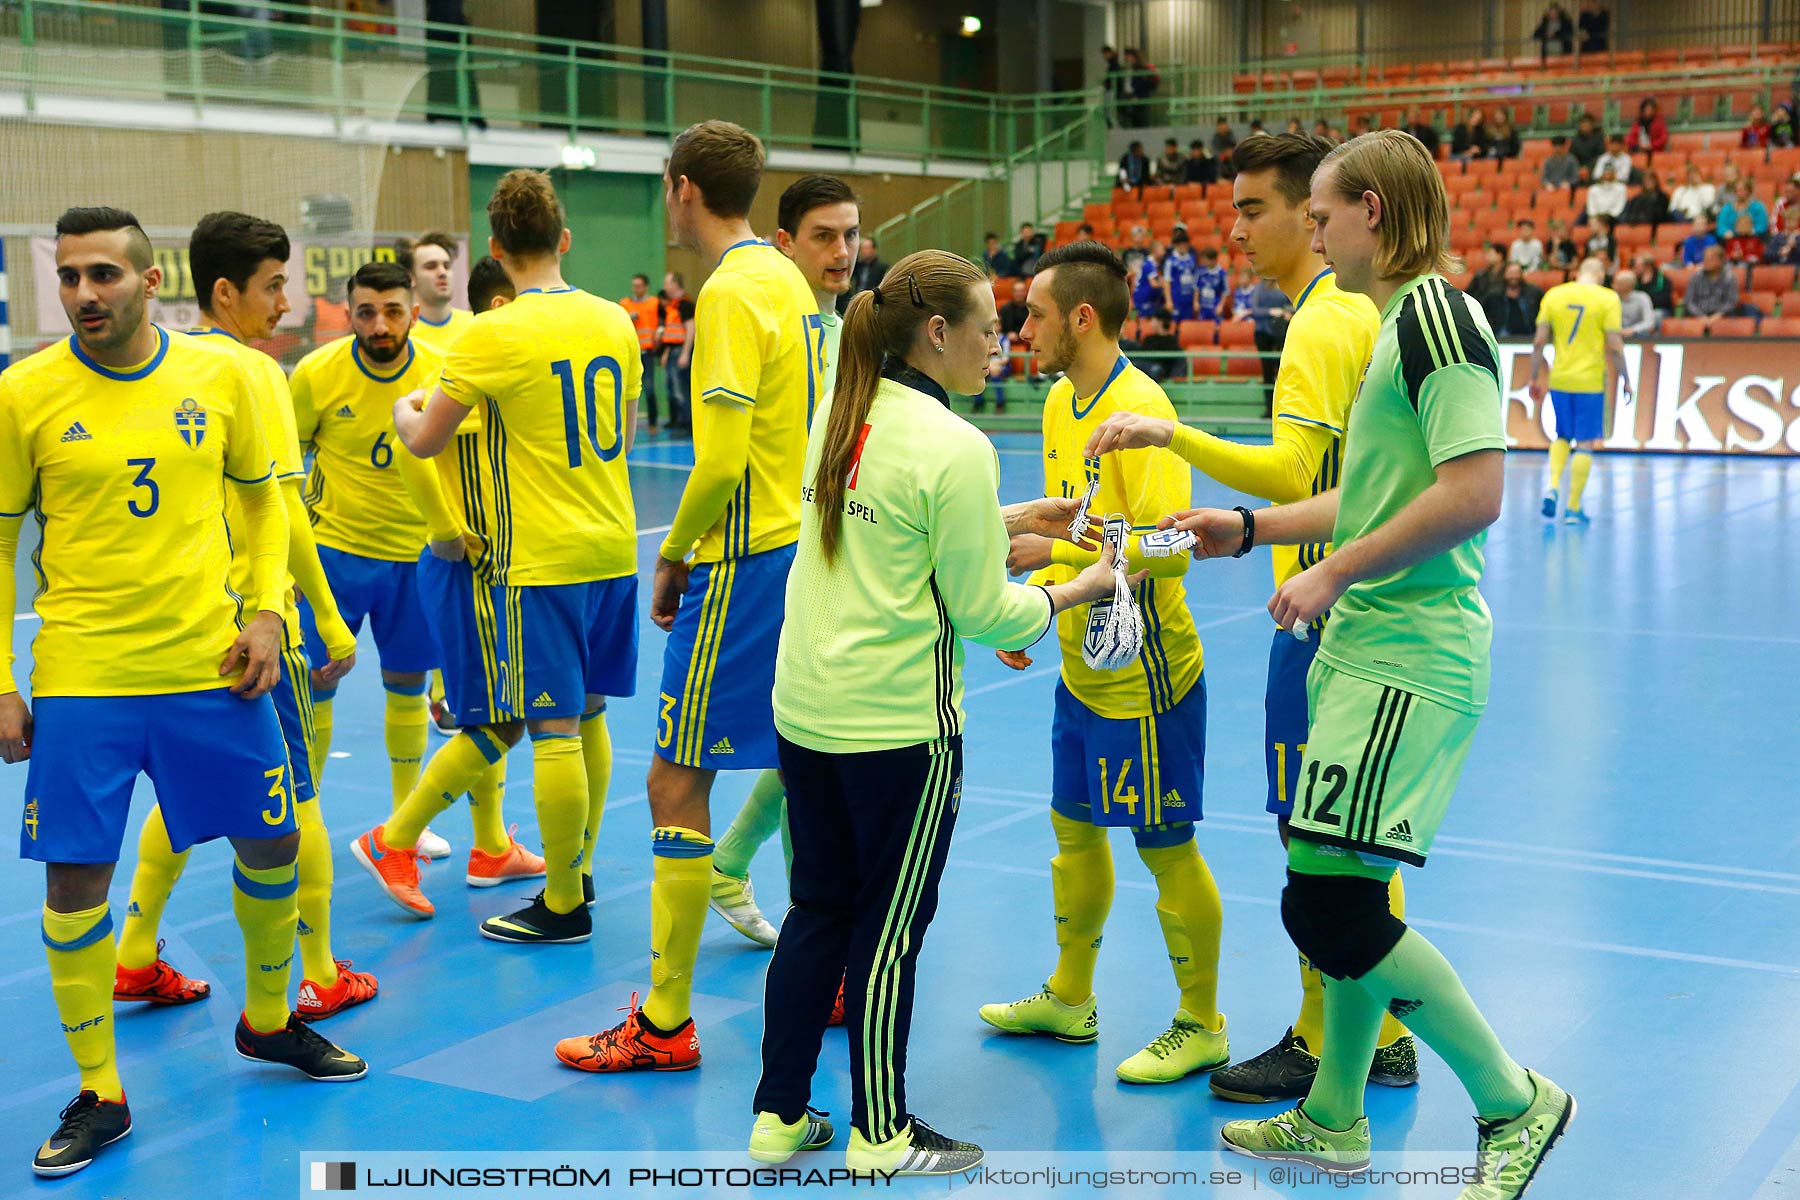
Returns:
point(1340, 922)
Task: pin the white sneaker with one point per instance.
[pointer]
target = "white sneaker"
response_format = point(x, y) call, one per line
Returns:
point(733, 899)
point(430, 845)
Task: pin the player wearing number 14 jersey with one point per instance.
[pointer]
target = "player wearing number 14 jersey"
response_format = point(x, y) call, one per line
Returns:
point(368, 529)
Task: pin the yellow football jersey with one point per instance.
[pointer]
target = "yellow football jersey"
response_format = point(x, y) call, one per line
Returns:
point(275, 415)
point(127, 471)
point(442, 336)
point(1329, 341)
point(344, 408)
point(558, 374)
point(1580, 315)
point(1143, 486)
point(753, 325)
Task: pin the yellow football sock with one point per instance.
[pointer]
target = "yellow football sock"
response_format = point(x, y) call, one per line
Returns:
point(487, 809)
point(320, 749)
point(559, 783)
point(1309, 1026)
point(1081, 892)
point(1578, 477)
point(1192, 917)
point(408, 718)
point(157, 870)
point(1392, 1030)
point(453, 770)
point(267, 912)
point(682, 859)
point(1559, 458)
point(79, 947)
point(596, 756)
point(314, 895)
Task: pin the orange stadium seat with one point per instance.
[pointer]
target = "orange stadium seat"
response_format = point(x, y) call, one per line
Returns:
point(1197, 333)
point(1678, 280)
point(1545, 279)
point(1762, 302)
point(1683, 327)
point(1734, 327)
point(1773, 277)
point(1780, 327)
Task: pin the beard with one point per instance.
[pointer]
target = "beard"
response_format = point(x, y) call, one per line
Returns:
point(380, 354)
point(1063, 353)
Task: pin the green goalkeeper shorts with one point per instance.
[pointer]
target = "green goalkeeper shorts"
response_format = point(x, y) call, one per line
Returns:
point(1379, 768)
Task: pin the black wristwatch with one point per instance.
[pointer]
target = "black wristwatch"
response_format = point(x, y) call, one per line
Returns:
point(1249, 531)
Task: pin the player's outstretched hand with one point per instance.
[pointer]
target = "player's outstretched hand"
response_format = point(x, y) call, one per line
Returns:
point(1130, 431)
point(257, 653)
point(1049, 517)
point(15, 728)
point(1302, 599)
point(1018, 660)
point(1097, 580)
point(336, 669)
point(666, 588)
point(1218, 532)
point(1028, 552)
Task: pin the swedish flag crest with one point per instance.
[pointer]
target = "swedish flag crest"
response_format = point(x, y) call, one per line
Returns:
point(190, 422)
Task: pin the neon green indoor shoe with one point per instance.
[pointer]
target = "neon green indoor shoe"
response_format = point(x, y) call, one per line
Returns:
point(1295, 1137)
point(1187, 1047)
point(773, 1140)
point(1045, 1014)
point(1510, 1152)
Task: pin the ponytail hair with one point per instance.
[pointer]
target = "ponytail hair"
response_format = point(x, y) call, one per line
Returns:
point(881, 322)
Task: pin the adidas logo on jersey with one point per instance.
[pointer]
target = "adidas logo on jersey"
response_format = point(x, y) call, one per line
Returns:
point(345, 411)
point(722, 746)
point(543, 701)
point(75, 433)
point(1401, 832)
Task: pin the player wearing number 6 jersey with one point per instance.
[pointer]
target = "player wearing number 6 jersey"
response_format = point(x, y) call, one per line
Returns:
point(368, 529)
point(125, 440)
point(551, 604)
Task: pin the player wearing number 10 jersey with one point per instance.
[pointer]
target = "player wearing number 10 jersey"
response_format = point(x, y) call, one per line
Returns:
point(368, 529)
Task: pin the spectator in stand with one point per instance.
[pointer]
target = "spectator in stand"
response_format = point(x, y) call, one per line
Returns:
point(1755, 133)
point(1784, 225)
point(1712, 291)
point(1359, 125)
point(1162, 340)
point(869, 269)
point(1145, 278)
point(1694, 246)
point(1562, 171)
point(1256, 127)
point(1212, 288)
point(1243, 295)
point(1013, 314)
point(1112, 80)
point(1419, 125)
point(1171, 166)
point(1224, 141)
point(1526, 250)
point(1140, 242)
point(1616, 160)
point(1504, 141)
point(1596, 27)
point(1470, 137)
point(1601, 243)
point(998, 262)
point(1181, 277)
point(1649, 132)
point(1555, 33)
point(1134, 168)
point(1744, 246)
point(1270, 310)
point(1606, 197)
point(1783, 131)
point(1693, 199)
point(1199, 166)
point(1492, 276)
point(1028, 249)
point(1084, 232)
point(1141, 82)
point(1650, 206)
point(1587, 145)
point(1513, 310)
point(1742, 201)
point(1653, 283)
point(1559, 248)
point(1637, 316)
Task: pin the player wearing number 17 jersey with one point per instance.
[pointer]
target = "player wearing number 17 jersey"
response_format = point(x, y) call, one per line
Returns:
point(551, 602)
point(721, 579)
point(368, 529)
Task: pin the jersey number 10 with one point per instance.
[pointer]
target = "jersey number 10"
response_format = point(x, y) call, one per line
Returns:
point(564, 371)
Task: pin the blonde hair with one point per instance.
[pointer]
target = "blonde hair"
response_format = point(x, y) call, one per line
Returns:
point(1414, 236)
point(881, 322)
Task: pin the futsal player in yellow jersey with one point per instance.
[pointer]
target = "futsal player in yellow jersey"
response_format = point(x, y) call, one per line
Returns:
point(124, 439)
point(1584, 321)
point(239, 267)
point(1327, 349)
point(368, 530)
point(431, 263)
point(550, 607)
point(1128, 747)
point(721, 578)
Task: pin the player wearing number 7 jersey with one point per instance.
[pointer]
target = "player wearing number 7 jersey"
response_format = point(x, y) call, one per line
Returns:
point(368, 528)
point(551, 604)
point(1583, 320)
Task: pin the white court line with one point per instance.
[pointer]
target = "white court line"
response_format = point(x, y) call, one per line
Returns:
point(1586, 631)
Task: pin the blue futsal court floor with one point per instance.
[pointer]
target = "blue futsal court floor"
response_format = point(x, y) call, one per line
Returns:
point(1616, 883)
